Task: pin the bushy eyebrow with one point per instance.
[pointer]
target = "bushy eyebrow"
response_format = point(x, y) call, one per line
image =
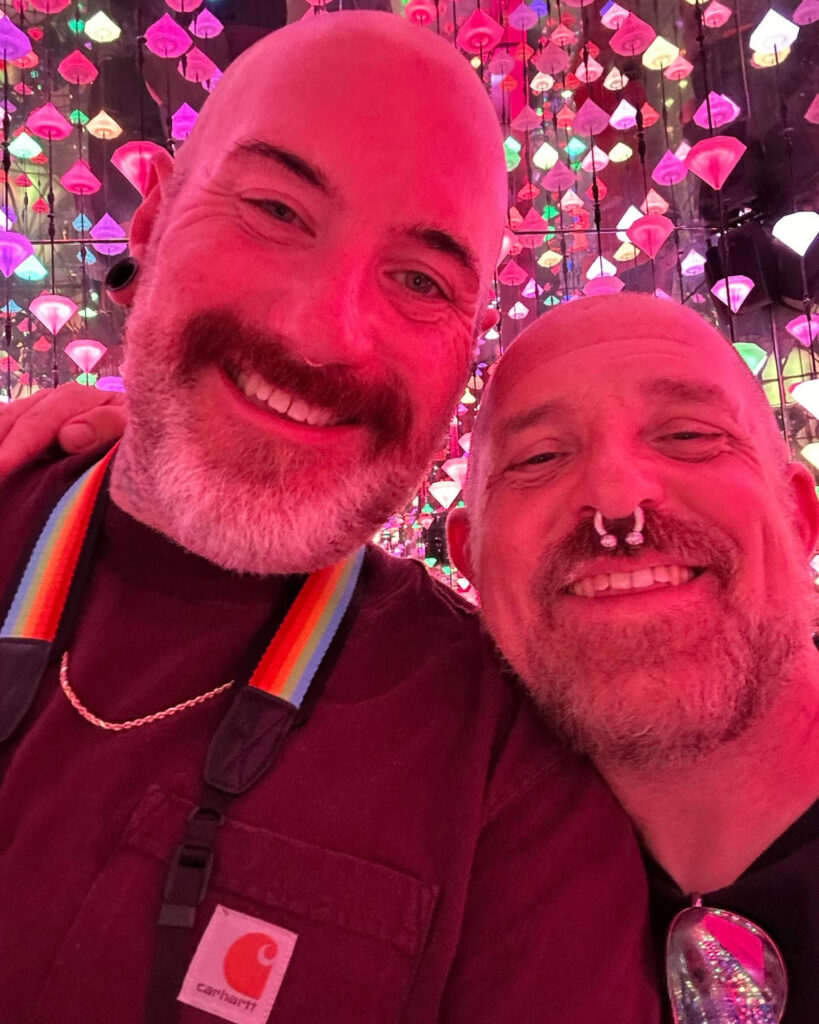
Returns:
point(289, 161)
point(443, 241)
point(662, 389)
point(531, 417)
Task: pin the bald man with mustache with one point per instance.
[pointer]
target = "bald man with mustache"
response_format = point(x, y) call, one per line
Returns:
point(253, 769)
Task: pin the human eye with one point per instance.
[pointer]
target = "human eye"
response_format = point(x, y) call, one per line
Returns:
point(419, 283)
point(543, 460)
point(275, 211)
point(693, 442)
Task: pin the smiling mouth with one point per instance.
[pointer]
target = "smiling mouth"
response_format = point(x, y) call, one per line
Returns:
point(264, 393)
point(653, 577)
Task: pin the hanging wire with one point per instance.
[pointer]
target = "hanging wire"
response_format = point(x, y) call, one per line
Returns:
point(722, 236)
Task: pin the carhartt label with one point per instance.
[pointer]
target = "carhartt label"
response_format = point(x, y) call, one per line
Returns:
point(238, 967)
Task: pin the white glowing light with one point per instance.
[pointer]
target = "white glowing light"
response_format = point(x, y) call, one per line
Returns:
point(797, 230)
point(773, 33)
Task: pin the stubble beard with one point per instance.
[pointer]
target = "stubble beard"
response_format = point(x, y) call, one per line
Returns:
point(239, 498)
point(664, 690)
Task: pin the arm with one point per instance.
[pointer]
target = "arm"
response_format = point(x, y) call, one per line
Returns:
point(555, 930)
point(76, 418)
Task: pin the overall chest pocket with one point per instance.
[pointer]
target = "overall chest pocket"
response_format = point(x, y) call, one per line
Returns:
point(361, 927)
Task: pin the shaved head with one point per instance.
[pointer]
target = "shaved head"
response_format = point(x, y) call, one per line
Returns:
point(331, 225)
point(657, 652)
point(409, 92)
point(624, 318)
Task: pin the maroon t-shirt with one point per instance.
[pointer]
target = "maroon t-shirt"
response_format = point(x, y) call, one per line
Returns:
point(438, 855)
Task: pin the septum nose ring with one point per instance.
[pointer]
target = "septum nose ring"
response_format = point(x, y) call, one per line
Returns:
point(634, 538)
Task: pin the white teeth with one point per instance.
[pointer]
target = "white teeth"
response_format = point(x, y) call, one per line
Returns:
point(642, 578)
point(674, 575)
point(279, 401)
point(620, 580)
point(255, 386)
point(298, 410)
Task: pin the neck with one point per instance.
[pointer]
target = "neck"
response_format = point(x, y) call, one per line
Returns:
point(708, 820)
point(131, 490)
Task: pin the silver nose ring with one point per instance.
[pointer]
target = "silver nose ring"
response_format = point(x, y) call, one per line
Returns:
point(634, 538)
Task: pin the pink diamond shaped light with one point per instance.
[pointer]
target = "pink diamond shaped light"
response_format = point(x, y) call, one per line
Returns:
point(53, 311)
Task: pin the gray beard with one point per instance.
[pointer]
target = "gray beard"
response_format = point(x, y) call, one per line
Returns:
point(662, 692)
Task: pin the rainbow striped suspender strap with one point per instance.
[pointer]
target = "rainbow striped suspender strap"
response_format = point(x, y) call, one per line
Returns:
point(276, 689)
point(28, 633)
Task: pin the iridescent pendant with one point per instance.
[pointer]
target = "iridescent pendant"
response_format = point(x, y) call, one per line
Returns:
point(722, 969)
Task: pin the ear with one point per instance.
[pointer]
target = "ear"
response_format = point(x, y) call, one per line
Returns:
point(143, 222)
point(803, 492)
point(488, 318)
point(458, 530)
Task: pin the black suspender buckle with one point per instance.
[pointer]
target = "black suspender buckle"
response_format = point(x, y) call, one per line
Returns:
point(189, 874)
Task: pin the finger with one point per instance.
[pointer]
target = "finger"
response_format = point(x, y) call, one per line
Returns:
point(11, 412)
point(35, 427)
point(97, 427)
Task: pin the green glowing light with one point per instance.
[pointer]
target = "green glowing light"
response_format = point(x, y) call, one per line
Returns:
point(31, 269)
point(752, 355)
point(24, 147)
point(576, 147)
point(78, 117)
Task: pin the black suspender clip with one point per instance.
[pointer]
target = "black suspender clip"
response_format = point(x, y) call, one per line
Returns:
point(191, 865)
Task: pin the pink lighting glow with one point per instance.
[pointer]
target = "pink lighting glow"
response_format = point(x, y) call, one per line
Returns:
point(80, 179)
point(14, 43)
point(723, 111)
point(670, 170)
point(733, 291)
point(805, 331)
point(713, 159)
point(649, 233)
point(77, 69)
point(603, 286)
point(198, 67)
point(716, 14)
point(480, 33)
point(85, 352)
point(634, 36)
point(53, 311)
point(48, 123)
point(14, 250)
point(133, 161)
point(167, 38)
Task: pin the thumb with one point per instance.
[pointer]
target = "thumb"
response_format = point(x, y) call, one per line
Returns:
point(93, 429)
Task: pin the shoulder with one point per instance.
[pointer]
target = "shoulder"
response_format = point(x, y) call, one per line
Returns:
point(27, 496)
point(405, 610)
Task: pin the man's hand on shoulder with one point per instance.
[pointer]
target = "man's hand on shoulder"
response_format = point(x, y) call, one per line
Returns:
point(75, 417)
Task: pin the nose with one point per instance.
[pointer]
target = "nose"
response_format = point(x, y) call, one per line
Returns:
point(325, 315)
point(617, 478)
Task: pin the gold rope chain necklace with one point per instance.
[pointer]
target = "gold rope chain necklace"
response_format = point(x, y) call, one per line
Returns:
point(134, 723)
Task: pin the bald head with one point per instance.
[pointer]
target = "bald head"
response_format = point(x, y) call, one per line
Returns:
point(608, 325)
point(406, 102)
